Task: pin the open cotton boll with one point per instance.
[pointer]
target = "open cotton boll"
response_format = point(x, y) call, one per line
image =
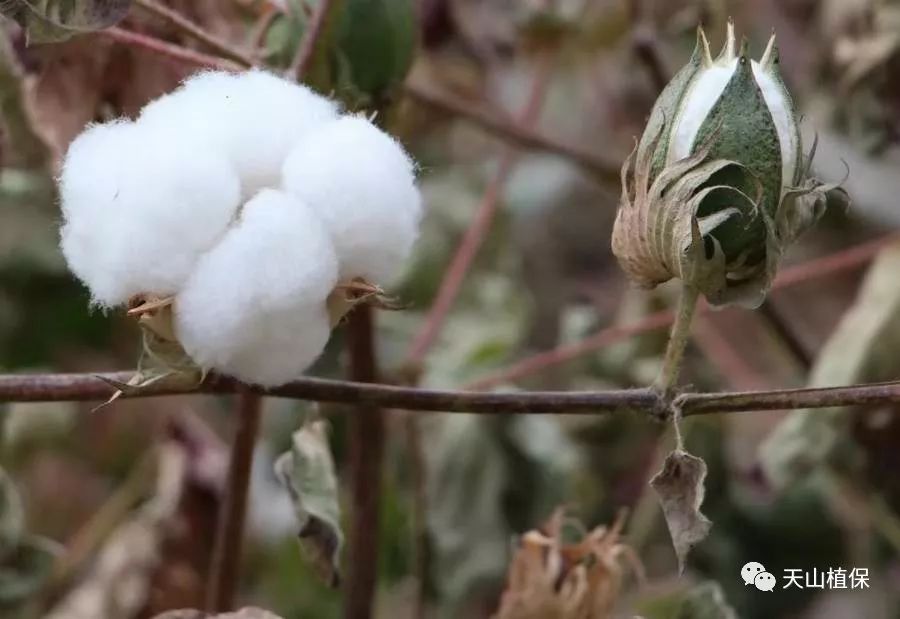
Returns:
point(362, 184)
point(139, 208)
point(254, 307)
point(254, 118)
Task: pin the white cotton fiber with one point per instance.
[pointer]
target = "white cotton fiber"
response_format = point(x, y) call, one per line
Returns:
point(139, 208)
point(254, 308)
point(362, 184)
point(254, 118)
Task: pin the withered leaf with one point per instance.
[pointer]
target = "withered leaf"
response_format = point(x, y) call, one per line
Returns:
point(307, 471)
point(48, 22)
point(679, 486)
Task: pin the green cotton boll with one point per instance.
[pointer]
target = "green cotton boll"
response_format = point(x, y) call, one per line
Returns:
point(715, 189)
point(376, 41)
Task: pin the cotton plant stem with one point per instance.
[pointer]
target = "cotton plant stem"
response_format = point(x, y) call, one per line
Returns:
point(367, 438)
point(228, 544)
point(678, 339)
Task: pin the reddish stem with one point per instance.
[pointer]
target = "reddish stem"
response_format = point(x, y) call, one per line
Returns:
point(367, 435)
point(226, 557)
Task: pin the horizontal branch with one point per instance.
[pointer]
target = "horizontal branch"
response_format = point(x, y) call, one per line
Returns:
point(96, 387)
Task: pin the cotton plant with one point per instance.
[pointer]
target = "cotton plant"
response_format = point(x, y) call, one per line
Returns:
point(715, 191)
point(238, 218)
point(718, 186)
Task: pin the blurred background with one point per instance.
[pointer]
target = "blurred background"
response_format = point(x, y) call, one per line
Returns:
point(525, 110)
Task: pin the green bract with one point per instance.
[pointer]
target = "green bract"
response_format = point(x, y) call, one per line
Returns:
point(717, 186)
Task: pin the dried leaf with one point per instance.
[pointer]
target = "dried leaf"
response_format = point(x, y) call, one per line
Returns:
point(244, 613)
point(861, 349)
point(705, 601)
point(679, 486)
point(307, 471)
point(47, 22)
point(552, 580)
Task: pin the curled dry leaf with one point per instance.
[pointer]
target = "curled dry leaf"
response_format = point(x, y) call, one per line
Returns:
point(549, 579)
point(679, 486)
point(307, 471)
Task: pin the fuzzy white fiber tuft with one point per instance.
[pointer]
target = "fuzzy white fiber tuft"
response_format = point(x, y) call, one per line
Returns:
point(247, 198)
point(254, 308)
point(362, 184)
point(139, 208)
point(253, 118)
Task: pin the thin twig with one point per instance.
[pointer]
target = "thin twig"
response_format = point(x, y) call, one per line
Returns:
point(478, 228)
point(179, 22)
point(309, 46)
point(367, 437)
point(90, 387)
point(513, 132)
point(229, 539)
point(169, 50)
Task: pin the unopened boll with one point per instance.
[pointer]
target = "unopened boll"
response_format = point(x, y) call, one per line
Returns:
point(255, 306)
point(361, 182)
point(718, 187)
point(254, 118)
point(140, 207)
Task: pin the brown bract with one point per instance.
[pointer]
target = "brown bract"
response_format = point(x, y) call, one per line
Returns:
point(549, 579)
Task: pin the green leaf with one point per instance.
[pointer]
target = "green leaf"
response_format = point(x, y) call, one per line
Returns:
point(376, 41)
point(307, 471)
point(49, 21)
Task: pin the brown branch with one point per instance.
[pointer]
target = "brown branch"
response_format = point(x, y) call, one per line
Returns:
point(85, 387)
point(367, 437)
point(169, 50)
point(182, 24)
point(228, 545)
point(785, 399)
point(513, 132)
point(302, 62)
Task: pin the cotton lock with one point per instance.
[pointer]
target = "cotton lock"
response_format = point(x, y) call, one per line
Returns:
point(234, 209)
